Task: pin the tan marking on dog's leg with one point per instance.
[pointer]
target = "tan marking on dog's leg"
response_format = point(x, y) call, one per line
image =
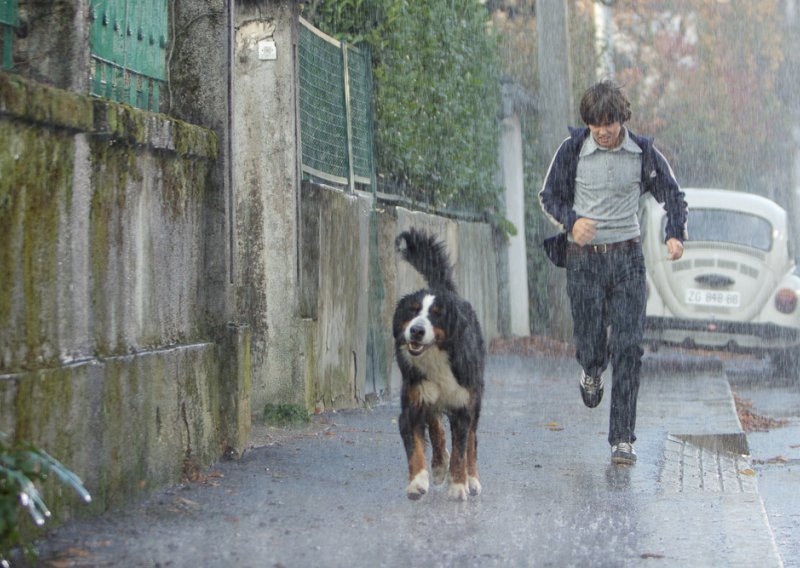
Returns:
point(417, 470)
point(441, 457)
point(473, 480)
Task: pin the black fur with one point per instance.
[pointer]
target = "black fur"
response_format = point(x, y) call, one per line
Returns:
point(441, 354)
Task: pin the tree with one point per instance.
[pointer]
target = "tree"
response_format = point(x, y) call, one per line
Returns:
point(701, 75)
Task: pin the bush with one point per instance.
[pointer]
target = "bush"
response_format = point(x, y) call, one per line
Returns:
point(436, 68)
point(22, 463)
point(285, 414)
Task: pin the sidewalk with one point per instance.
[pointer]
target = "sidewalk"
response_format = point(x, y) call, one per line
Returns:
point(333, 495)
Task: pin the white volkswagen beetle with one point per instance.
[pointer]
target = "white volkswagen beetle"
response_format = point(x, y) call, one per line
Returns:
point(736, 287)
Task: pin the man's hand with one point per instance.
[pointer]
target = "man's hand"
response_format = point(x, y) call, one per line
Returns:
point(675, 249)
point(584, 230)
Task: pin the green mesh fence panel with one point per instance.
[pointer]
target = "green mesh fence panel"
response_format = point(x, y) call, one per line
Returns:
point(8, 20)
point(129, 42)
point(335, 109)
point(360, 80)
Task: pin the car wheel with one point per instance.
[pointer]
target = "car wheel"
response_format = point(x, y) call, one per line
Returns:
point(784, 363)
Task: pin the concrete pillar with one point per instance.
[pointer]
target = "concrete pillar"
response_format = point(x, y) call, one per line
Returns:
point(603, 39)
point(555, 114)
point(265, 184)
point(511, 172)
point(234, 405)
point(555, 76)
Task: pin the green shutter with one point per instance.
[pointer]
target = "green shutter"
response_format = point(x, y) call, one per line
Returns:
point(129, 47)
point(8, 20)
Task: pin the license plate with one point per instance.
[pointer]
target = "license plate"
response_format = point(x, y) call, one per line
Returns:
point(712, 298)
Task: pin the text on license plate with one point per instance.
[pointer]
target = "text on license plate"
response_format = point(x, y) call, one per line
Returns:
point(712, 298)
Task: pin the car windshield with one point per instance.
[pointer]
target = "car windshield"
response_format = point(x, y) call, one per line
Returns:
point(720, 225)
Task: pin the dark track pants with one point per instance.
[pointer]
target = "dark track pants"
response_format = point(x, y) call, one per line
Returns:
point(608, 297)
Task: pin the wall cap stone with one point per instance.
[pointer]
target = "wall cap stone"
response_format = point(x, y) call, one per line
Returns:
point(29, 101)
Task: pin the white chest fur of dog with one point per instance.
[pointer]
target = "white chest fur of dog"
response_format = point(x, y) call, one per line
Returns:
point(440, 387)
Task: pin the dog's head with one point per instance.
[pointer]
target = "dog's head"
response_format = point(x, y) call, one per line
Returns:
point(420, 322)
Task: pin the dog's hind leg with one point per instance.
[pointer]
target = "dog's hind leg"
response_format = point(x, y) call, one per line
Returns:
point(441, 457)
point(413, 434)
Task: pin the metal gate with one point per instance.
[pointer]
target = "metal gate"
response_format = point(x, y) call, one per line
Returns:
point(129, 41)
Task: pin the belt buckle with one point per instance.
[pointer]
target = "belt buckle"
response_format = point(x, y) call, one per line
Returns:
point(600, 248)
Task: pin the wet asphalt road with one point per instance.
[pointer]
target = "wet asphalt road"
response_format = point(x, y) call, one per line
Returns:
point(332, 494)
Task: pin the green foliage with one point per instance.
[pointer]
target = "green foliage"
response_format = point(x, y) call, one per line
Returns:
point(285, 414)
point(436, 67)
point(22, 463)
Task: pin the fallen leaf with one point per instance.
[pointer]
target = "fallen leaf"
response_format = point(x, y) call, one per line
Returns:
point(777, 459)
point(66, 559)
point(77, 552)
point(187, 503)
point(748, 472)
point(752, 422)
point(646, 555)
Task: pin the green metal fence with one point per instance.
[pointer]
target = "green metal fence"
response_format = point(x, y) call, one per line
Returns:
point(129, 46)
point(335, 109)
point(8, 21)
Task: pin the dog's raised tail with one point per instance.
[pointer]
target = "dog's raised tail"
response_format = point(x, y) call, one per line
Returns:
point(428, 256)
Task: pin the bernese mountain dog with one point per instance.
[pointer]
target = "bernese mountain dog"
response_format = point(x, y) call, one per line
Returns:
point(441, 354)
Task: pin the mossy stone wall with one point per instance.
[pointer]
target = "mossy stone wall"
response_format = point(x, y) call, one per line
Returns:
point(107, 358)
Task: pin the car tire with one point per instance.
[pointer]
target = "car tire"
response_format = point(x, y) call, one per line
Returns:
point(784, 363)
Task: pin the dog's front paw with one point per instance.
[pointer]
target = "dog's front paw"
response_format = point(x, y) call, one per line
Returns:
point(474, 485)
point(418, 486)
point(457, 491)
point(439, 472)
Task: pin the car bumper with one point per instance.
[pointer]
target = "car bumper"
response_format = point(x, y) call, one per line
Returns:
point(731, 335)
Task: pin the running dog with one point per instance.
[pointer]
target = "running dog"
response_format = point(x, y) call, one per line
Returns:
point(441, 354)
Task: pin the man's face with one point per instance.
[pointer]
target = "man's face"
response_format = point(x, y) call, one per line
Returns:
point(606, 135)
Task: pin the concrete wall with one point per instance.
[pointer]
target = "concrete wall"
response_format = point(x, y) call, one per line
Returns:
point(106, 357)
point(334, 284)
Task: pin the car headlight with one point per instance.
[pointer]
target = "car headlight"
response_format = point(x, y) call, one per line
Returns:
point(785, 300)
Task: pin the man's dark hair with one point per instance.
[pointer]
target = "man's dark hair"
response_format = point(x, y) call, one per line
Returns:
point(605, 103)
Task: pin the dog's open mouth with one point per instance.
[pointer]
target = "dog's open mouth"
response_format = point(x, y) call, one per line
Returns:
point(417, 349)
